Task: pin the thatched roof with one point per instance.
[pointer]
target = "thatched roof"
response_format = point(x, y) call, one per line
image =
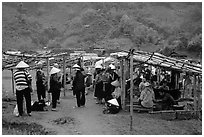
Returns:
point(157, 59)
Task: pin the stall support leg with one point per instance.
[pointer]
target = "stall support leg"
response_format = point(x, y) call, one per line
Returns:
point(195, 95)
point(131, 90)
point(48, 78)
point(12, 81)
point(64, 75)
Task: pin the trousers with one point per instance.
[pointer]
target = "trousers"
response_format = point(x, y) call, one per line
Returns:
point(40, 90)
point(80, 96)
point(55, 96)
point(19, 96)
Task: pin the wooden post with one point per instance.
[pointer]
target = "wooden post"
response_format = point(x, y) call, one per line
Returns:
point(82, 61)
point(124, 82)
point(199, 97)
point(48, 77)
point(194, 94)
point(64, 73)
point(158, 74)
point(121, 81)
point(176, 81)
point(12, 81)
point(131, 89)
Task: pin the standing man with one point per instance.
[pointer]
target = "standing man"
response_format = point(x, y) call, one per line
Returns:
point(55, 86)
point(79, 86)
point(40, 82)
point(22, 80)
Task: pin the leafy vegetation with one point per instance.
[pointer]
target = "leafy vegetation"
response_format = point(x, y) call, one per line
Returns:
point(159, 26)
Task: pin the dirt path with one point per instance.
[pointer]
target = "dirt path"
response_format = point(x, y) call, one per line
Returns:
point(91, 121)
point(87, 121)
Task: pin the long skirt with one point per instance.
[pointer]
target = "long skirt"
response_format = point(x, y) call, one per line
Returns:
point(99, 93)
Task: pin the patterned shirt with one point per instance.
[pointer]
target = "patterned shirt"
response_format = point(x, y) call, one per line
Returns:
point(20, 79)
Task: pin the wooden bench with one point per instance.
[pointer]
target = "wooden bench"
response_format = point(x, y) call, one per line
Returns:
point(138, 108)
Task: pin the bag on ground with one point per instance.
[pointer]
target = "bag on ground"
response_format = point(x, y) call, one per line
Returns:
point(15, 111)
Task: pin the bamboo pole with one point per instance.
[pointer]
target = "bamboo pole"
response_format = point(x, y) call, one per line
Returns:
point(131, 90)
point(48, 77)
point(64, 73)
point(194, 94)
point(121, 81)
point(158, 74)
point(12, 81)
point(199, 94)
point(124, 80)
point(176, 81)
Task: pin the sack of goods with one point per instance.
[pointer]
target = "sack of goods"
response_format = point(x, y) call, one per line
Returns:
point(38, 106)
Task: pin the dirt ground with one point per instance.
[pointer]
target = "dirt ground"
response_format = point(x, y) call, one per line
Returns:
point(91, 121)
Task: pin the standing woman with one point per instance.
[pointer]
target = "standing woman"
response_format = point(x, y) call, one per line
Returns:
point(23, 79)
point(40, 82)
point(99, 93)
point(79, 86)
point(55, 86)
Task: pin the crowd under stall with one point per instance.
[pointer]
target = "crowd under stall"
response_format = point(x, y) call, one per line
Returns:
point(183, 80)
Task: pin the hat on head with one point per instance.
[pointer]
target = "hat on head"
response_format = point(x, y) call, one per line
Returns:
point(56, 65)
point(112, 66)
point(22, 64)
point(54, 70)
point(145, 65)
point(88, 73)
point(146, 84)
point(76, 66)
point(40, 64)
point(113, 102)
point(98, 66)
point(115, 83)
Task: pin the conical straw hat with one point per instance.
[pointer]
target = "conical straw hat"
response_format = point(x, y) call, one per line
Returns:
point(112, 66)
point(54, 70)
point(22, 64)
point(115, 83)
point(146, 84)
point(76, 66)
point(98, 66)
point(113, 102)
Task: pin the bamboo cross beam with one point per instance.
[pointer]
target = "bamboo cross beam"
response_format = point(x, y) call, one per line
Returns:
point(162, 57)
point(35, 56)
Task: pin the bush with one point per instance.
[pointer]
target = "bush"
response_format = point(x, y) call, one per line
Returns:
point(195, 44)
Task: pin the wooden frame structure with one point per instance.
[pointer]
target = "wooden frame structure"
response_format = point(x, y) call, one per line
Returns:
point(157, 60)
point(62, 55)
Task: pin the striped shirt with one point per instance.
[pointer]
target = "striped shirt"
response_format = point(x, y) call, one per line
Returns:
point(20, 79)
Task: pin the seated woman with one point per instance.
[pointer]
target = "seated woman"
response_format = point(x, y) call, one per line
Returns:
point(164, 85)
point(166, 102)
point(147, 96)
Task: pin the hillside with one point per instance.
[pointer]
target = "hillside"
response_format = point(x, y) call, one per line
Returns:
point(157, 26)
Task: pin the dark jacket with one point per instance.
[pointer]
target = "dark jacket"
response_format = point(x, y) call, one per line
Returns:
point(55, 85)
point(78, 82)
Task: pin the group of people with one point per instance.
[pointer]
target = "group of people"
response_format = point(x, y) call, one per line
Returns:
point(144, 85)
point(23, 81)
point(106, 87)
